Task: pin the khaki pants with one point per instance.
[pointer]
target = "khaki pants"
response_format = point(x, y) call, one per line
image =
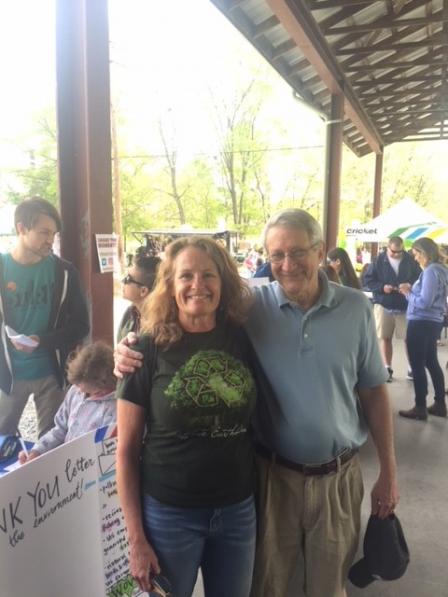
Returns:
point(388, 323)
point(48, 397)
point(308, 529)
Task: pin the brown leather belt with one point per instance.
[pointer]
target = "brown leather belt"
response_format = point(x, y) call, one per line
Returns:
point(307, 469)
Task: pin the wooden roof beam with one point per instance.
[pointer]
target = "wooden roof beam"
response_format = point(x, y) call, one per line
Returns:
point(353, 37)
point(436, 40)
point(387, 23)
point(302, 28)
point(339, 16)
point(397, 83)
point(398, 65)
point(386, 80)
point(415, 127)
point(396, 112)
point(410, 140)
point(421, 89)
point(384, 63)
point(318, 4)
point(399, 95)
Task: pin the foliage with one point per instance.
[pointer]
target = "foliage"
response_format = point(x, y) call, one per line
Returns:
point(41, 176)
point(241, 185)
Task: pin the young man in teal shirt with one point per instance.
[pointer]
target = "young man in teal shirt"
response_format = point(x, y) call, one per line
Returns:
point(40, 297)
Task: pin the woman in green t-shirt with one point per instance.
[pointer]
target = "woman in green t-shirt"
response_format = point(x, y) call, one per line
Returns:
point(183, 419)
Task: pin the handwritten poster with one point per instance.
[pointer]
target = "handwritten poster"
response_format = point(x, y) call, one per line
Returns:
point(61, 527)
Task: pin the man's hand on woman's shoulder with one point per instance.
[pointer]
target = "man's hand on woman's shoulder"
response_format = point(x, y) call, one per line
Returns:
point(127, 360)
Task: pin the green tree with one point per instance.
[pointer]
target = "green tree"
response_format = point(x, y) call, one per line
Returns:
point(241, 154)
point(41, 176)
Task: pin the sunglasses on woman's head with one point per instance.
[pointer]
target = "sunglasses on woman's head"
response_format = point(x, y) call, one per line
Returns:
point(130, 280)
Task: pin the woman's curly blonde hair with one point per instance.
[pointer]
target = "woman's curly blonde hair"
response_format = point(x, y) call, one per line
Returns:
point(160, 313)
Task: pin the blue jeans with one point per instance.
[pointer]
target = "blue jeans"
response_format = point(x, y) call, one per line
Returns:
point(220, 541)
point(421, 340)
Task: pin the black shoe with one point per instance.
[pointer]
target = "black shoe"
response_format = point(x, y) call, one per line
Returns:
point(418, 413)
point(438, 409)
point(391, 374)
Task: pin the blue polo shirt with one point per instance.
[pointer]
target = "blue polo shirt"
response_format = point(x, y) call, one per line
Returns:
point(309, 409)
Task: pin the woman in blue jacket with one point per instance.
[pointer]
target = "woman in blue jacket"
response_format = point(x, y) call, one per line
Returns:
point(426, 305)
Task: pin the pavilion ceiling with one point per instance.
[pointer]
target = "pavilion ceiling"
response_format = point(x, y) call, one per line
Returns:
point(389, 59)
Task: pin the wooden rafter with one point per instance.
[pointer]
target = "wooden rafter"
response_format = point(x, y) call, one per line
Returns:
point(319, 4)
point(389, 58)
point(386, 23)
point(359, 36)
point(301, 27)
point(391, 44)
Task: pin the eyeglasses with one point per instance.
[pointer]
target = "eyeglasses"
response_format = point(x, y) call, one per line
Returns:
point(396, 252)
point(295, 255)
point(162, 586)
point(130, 280)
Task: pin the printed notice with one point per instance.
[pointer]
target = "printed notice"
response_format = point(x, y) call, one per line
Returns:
point(107, 248)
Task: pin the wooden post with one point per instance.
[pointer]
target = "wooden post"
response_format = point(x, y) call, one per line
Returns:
point(333, 164)
point(83, 118)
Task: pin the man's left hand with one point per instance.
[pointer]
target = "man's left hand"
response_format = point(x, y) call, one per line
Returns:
point(384, 496)
point(23, 348)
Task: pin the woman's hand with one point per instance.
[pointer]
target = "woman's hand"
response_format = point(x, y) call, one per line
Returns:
point(143, 563)
point(405, 288)
point(24, 457)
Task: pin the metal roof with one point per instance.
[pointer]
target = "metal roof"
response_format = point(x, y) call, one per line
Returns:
point(388, 58)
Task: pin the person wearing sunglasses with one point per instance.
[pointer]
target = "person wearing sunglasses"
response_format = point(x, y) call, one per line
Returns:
point(136, 286)
point(392, 267)
point(183, 418)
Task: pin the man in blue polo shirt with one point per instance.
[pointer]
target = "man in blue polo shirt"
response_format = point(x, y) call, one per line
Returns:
point(40, 298)
point(318, 351)
point(323, 388)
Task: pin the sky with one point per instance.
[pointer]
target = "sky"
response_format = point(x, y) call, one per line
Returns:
point(169, 57)
point(166, 58)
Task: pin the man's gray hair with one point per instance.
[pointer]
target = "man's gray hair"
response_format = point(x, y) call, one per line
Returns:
point(297, 219)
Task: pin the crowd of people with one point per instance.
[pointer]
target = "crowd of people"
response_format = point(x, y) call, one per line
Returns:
point(234, 413)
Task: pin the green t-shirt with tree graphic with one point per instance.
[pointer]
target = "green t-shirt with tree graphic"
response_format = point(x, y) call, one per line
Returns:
point(198, 396)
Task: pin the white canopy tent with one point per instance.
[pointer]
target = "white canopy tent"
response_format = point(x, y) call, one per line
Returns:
point(394, 222)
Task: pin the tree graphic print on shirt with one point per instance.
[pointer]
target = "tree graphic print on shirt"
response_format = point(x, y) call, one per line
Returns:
point(213, 391)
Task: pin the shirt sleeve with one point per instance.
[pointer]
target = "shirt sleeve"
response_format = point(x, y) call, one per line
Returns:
point(136, 387)
point(56, 436)
point(371, 279)
point(428, 290)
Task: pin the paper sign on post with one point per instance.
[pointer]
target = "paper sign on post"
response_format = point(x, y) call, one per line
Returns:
point(107, 248)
